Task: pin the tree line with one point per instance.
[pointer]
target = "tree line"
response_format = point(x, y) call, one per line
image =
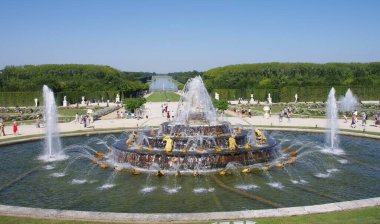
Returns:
point(67, 78)
point(277, 75)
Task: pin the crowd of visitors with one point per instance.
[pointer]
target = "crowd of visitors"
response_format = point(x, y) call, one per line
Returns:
point(85, 119)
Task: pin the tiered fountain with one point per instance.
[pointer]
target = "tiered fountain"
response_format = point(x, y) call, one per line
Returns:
point(196, 141)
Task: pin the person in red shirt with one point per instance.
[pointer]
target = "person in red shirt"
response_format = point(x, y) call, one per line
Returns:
point(15, 129)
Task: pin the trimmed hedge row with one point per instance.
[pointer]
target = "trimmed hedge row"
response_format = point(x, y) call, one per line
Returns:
point(305, 94)
point(11, 99)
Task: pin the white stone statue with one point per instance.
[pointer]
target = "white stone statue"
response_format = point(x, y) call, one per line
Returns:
point(83, 102)
point(296, 98)
point(117, 100)
point(269, 99)
point(251, 101)
point(216, 96)
point(64, 101)
point(36, 102)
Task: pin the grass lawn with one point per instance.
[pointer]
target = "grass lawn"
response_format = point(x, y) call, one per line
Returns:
point(70, 112)
point(362, 216)
point(163, 97)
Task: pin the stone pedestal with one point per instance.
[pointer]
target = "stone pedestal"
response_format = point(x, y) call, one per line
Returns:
point(251, 101)
point(266, 111)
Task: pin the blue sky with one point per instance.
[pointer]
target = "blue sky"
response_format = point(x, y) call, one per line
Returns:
point(167, 36)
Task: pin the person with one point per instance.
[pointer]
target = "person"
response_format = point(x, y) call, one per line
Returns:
point(249, 113)
point(2, 126)
point(15, 128)
point(364, 119)
point(281, 115)
point(117, 114)
point(84, 118)
point(353, 121)
point(345, 116)
point(168, 115)
point(76, 118)
point(88, 120)
point(38, 121)
point(270, 111)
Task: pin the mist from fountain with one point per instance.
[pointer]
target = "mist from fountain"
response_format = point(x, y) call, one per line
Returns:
point(332, 140)
point(348, 102)
point(52, 145)
point(195, 100)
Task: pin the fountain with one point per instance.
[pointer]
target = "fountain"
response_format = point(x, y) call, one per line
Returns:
point(349, 102)
point(52, 146)
point(332, 123)
point(249, 170)
point(195, 142)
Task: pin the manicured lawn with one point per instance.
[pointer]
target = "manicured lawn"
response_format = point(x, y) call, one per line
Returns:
point(362, 216)
point(70, 112)
point(163, 97)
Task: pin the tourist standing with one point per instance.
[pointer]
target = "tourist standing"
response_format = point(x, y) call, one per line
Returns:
point(353, 121)
point(249, 113)
point(281, 115)
point(2, 126)
point(345, 116)
point(364, 119)
point(84, 120)
point(88, 120)
point(15, 128)
point(168, 115)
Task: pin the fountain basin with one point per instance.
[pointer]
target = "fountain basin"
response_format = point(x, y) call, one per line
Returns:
point(80, 184)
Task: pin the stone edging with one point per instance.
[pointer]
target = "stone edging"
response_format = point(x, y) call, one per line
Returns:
point(184, 217)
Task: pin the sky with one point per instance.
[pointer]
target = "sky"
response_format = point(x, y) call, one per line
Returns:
point(183, 35)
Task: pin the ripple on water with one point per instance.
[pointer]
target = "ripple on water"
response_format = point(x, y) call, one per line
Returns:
point(328, 173)
point(301, 181)
point(343, 161)
point(171, 190)
point(277, 185)
point(78, 181)
point(201, 190)
point(335, 151)
point(48, 167)
point(106, 186)
point(246, 187)
point(148, 189)
point(57, 174)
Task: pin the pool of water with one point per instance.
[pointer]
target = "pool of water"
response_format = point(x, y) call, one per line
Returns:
point(79, 184)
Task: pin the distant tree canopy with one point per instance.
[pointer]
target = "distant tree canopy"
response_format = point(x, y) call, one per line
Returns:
point(69, 77)
point(182, 77)
point(276, 75)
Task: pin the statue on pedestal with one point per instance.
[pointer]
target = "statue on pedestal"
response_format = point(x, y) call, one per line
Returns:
point(296, 98)
point(269, 99)
point(251, 101)
point(64, 101)
point(36, 102)
point(117, 100)
point(83, 102)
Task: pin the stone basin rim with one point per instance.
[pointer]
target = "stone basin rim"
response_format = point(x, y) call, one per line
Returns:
point(7, 210)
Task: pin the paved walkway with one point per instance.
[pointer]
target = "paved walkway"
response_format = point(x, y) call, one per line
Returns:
point(155, 118)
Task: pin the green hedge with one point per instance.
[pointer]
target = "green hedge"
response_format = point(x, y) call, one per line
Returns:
point(305, 94)
point(11, 99)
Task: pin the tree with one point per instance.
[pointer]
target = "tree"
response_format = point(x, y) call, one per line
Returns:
point(133, 103)
point(221, 105)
